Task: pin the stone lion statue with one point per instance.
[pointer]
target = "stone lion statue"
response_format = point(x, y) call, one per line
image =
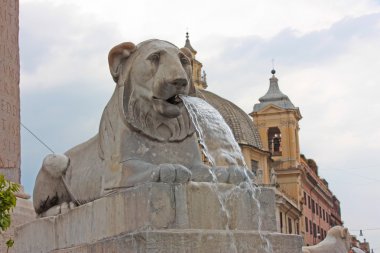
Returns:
point(145, 133)
point(338, 240)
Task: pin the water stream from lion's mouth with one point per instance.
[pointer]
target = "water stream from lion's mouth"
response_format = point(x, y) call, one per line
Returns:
point(219, 146)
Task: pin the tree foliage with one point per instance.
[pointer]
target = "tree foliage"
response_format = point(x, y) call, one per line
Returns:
point(7, 203)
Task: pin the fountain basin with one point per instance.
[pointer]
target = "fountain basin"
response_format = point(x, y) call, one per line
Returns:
point(164, 217)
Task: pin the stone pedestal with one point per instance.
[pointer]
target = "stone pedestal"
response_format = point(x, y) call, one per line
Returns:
point(22, 213)
point(158, 217)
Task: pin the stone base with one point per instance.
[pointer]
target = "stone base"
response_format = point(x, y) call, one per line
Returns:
point(193, 241)
point(158, 217)
point(22, 213)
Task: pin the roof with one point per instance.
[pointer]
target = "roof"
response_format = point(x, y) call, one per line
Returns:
point(188, 45)
point(243, 128)
point(274, 96)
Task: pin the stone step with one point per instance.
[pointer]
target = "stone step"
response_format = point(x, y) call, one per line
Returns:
point(193, 241)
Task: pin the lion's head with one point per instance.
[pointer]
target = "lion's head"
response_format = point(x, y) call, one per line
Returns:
point(340, 234)
point(150, 78)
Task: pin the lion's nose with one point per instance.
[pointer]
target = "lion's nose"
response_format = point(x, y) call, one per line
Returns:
point(179, 82)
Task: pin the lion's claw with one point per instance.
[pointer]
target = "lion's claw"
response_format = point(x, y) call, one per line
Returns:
point(62, 208)
point(183, 175)
point(232, 175)
point(201, 173)
point(173, 173)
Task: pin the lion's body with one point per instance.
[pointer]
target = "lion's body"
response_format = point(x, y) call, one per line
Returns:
point(89, 178)
point(145, 133)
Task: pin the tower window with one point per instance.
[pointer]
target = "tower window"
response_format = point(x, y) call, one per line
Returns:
point(254, 166)
point(274, 141)
point(290, 229)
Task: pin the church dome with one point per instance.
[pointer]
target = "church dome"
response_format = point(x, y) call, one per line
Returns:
point(243, 128)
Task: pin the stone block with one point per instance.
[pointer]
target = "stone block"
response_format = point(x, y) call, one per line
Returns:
point(75, 227)
point(150, 207)
point(38, 236)
point(229, 207)
point(194, 241)
point(21, 214)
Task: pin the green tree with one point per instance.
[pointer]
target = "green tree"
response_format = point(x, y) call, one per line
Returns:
point(7, 203)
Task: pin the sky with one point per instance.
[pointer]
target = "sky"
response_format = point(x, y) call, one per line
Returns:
point(326, 55)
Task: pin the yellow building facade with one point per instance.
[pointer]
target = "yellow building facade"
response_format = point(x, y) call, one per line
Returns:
point(277, 120)
point(316, 209)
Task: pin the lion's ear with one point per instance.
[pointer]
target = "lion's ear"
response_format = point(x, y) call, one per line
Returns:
point(344, 232)
point(117, 55)
point(188, 53)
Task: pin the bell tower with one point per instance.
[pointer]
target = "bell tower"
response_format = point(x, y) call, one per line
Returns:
point(199, 78)
point(277, 119)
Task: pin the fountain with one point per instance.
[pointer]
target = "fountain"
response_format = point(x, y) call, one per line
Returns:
point(140, 184)
point(210, 126)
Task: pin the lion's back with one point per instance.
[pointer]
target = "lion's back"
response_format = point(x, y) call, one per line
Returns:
point(84, 174)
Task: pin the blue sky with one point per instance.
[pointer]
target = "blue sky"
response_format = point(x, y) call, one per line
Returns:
point(326, 55)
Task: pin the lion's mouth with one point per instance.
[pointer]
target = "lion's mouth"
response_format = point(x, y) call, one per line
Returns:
point(170, 107)
point(174, 100)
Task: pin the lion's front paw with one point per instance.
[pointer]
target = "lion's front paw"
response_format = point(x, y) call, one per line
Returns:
point(232, 175)
point(201, 173)
point(173, 173)
point(58, 209)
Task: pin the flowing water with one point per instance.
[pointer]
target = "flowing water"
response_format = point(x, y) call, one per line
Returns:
point(215, 137)
point(221, 149)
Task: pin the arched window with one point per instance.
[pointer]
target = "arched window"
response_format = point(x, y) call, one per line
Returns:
point(274, 141)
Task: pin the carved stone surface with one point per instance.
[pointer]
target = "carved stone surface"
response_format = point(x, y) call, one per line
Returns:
point(159, 217)
point(9, 91)
point(145, 133)
point(191, 241)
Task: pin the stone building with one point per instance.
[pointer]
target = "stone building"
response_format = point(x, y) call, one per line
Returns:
point(364, 246)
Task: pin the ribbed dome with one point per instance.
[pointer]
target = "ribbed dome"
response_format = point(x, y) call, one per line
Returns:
point(242, 126)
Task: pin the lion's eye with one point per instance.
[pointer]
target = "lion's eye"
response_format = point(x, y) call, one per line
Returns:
point(184, 60)
point(155, 57)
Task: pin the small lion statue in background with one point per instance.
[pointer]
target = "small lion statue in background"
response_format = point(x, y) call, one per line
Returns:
point(338, 240)
point(145, 133)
